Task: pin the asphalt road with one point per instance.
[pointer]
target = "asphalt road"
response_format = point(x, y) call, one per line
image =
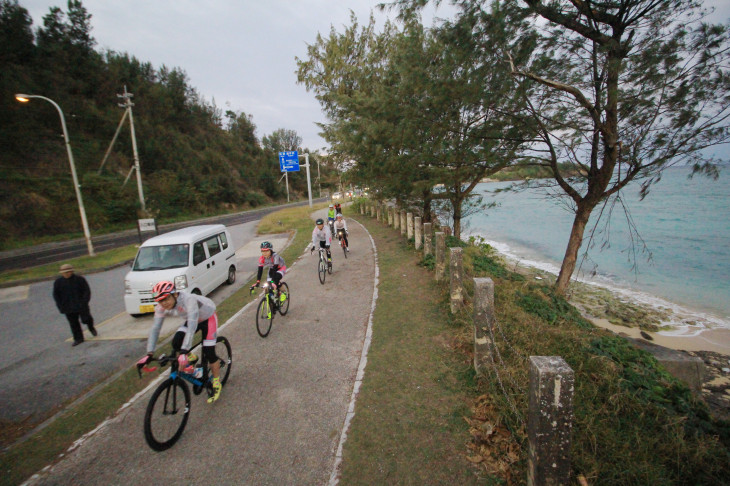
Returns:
point(41, 369)
point(56, 252)
point(281, 414)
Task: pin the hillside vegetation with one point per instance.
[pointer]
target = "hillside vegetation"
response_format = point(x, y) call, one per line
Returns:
point(195, 159)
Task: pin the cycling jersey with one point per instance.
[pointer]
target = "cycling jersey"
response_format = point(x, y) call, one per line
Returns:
point(331, 214)
point(274, 261)
point(340, 224)
point(321, 235)
point(195, 309)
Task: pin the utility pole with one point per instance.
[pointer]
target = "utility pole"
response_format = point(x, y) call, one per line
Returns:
point(128, 106)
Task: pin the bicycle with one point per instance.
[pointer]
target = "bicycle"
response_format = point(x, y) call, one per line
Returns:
point(323, 266)
point(168, 409)
point(270, 303)
point(341, 237)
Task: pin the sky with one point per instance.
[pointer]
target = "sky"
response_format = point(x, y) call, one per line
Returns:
point(241, 54)
point(238, 53)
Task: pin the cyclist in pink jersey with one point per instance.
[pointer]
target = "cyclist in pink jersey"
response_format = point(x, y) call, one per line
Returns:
point(199, 314)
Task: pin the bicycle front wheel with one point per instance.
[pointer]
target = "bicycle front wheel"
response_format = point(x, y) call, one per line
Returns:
point(264, 317)
point(225, 357)
point(167, 414)
point(344, 248)
point(284, 304)
point(322, 270)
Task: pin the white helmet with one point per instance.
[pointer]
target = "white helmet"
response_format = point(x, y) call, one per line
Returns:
point(339, 215)
point(332, 205)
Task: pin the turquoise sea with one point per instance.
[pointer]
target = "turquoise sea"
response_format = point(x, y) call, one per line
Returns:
point(684, 223)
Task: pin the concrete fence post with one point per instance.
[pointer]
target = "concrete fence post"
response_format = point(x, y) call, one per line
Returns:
point(457, 287)
point(409, 221)
point(372, 211)
point(390, 217)
point(440, 257)
point(483, 323)
point(396, 219)
point(427, 239)
point(362, 209)
point(402, 223)
point(549, 421)
point(378, 210)
point(417, 231)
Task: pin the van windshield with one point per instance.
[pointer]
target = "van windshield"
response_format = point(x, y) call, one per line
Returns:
point(162, 257)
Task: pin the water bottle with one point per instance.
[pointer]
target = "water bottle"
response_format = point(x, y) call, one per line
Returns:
point(198, 372)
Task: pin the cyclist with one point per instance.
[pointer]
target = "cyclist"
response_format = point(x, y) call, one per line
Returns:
point(199, 313)
point(331, 218)
point(338, 209)
point(341, 230)
point(276, 264)
point(322, 237)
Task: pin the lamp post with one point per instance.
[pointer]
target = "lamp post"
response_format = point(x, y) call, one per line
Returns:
point(24, 98)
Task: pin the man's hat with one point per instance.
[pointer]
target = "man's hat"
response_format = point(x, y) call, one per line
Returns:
point(66, 268)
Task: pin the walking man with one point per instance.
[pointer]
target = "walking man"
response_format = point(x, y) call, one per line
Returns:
point(72, 295)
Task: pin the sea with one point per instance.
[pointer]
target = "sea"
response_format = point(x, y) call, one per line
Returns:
point(670, 250)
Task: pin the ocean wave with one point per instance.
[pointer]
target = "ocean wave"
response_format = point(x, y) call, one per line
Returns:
point(682, 321)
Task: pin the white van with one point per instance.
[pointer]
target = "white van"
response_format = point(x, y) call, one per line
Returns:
point(197, 259)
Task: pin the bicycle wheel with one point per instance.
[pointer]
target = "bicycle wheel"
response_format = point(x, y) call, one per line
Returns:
point(284, 305)
point(322, 269)
point(344, 248)
point(264, 317)
point(167, 414)
point(329, 267)
point(225, 357)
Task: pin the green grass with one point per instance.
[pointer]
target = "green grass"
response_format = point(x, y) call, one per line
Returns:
point(409, 425)
point(83, 264)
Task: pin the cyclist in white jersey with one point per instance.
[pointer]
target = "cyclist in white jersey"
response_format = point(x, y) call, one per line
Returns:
point(322, 237)
point(341, 230)
point(199, 314)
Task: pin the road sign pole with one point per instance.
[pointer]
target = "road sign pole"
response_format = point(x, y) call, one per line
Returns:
point(309, 181)
point(286, 176)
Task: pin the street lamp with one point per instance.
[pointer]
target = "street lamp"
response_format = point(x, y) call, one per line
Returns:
point(24, 98)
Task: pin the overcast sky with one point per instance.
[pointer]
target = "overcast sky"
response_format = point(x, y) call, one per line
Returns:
point(238, 53)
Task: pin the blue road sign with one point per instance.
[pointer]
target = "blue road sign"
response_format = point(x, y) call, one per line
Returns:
point(289, 161)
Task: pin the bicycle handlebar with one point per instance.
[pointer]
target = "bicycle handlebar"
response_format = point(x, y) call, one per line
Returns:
point(162, 359)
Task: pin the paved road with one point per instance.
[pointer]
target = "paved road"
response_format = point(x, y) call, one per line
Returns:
point(55, 252)
point(280, 416)
point(41, 370)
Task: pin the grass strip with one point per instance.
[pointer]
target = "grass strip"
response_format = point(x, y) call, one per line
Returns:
point(19, 462)
point(409, 425)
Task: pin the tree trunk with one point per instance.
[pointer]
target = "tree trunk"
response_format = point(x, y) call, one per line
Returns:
point(426, 206)
point(574, 243)
point(457, 219)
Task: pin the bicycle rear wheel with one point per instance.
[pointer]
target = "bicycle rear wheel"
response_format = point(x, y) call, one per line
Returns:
point(225, 357)
point(344, 248)
point(284, 304)
point(322, 269)
point(167, 414)
point(264, 316)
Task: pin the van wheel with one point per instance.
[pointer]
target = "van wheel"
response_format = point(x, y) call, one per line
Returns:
point(196, 292)
point(231, 275)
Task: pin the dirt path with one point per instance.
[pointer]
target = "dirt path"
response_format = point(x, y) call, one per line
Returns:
point(281, 414)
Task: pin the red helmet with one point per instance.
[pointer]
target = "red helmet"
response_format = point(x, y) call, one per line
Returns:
point(162, 289)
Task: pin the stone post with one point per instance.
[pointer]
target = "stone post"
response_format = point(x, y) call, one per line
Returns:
point(362, 209)
point(440, 257)
point(396, 219)
point(417, 231)
point(409, 221)
point(427, 239)
point(378, 211)
point(372, 211)
point(483, 323)
point(549, 421)
point(457, 288)
point(390, 217)
point(402, 223)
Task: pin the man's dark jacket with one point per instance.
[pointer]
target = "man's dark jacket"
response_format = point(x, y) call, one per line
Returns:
point(71, 294)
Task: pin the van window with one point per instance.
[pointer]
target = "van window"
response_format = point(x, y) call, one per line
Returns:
point(161, 257)
point(198, 253)
point(224, 240)
point(214, 247)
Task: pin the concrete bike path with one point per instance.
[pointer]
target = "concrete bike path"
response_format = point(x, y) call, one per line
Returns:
point(281, 414)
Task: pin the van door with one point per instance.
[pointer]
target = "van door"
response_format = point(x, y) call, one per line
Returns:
point(198, 274)
point(216, 264)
